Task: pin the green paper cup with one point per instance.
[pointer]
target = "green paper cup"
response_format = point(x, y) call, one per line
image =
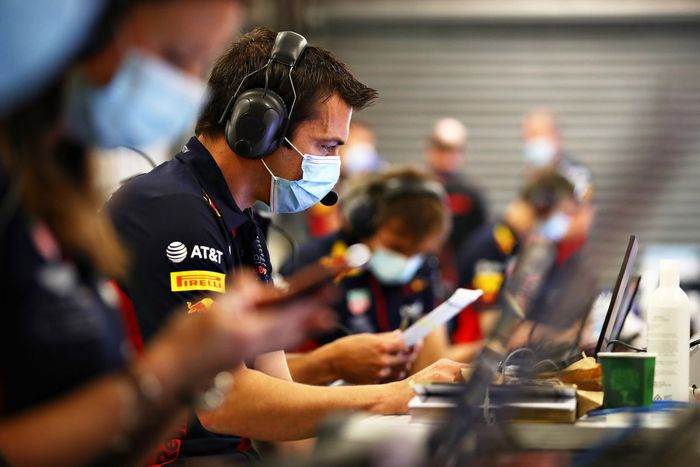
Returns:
point(628, 378)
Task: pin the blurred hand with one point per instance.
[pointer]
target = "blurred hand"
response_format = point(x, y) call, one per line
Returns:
point(368, 358)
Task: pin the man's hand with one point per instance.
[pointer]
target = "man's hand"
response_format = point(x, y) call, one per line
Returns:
point(368, 358)
point(443, 370)
point(399, 393)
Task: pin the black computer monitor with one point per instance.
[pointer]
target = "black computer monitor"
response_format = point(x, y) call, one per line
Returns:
point(625, 308)
point(620, 301)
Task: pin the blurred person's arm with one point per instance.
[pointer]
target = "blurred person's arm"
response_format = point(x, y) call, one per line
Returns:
point(358, 359)
point(88, 422)
point(75, 430)
point(271, 409)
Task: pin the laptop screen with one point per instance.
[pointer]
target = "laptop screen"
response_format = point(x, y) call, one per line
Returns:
point(620, 300)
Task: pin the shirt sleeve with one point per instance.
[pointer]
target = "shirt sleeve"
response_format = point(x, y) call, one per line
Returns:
point(179, 253)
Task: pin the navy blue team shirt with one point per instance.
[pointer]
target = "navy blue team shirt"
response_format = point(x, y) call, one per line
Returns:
point(60, 325)
point(185, 234)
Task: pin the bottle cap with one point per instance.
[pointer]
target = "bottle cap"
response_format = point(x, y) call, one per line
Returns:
point(669, 273)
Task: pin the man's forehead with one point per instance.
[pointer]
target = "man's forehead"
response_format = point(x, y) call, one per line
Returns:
point(331, 120)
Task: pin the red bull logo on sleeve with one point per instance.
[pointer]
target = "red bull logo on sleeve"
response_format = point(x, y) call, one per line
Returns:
point(185, 281)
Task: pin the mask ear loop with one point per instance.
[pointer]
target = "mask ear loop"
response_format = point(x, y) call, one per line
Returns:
point(294, 147)
point(268, 169)
point(272, 185)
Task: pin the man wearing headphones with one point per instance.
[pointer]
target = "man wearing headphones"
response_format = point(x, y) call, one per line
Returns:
point(483, 260)
point(401, 216)
point(278, 111)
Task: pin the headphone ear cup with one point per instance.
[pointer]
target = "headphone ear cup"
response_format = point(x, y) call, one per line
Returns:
point(361, 215)
point(257, 123)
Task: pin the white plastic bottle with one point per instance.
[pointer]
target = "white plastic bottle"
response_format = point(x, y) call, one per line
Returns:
point(668, 331)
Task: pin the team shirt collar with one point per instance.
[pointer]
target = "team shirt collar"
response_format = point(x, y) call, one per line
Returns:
point(208, 174)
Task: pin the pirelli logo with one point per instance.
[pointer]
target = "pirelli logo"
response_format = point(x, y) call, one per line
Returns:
point(184, 281)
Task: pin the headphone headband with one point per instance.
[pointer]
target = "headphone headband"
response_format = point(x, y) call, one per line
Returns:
point(361, 208)
point(288, 48)
point(400, 187)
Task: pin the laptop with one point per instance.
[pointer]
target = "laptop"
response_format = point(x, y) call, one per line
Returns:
point(573, 299)
point(621, 301)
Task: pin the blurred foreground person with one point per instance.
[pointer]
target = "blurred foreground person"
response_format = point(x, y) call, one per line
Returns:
point(71, 391)
point(278, 111)
point(446, 156)
point(400, 214)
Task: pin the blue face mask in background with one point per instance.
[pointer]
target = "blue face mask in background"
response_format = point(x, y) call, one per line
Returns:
point(319, 176)
point(147, 101)
point(555, 227)
point(359, 158)
point(539, 152)
point(37, 39)
point(392, 268)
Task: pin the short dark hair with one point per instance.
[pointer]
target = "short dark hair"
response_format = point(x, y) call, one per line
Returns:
point(317, 76)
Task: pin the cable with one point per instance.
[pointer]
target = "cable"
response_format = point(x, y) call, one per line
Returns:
point(515, 352)
point(546, 361)
point(629, 346)
point(142, 154)
point(145, 156)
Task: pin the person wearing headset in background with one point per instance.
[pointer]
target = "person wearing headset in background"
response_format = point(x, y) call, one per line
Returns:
point(270, 132)
point(485, 256)
point(71, 393)
point(401, 215)
point(543, 151)
point(446, 155)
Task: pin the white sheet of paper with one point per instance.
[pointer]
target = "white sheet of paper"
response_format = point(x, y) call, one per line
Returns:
point(460, 299)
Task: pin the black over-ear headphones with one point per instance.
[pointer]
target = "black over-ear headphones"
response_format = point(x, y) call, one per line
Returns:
point(544, 194)
point(361, 208)
point(258, 118)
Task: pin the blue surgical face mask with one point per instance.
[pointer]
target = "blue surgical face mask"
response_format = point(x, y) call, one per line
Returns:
point(38, 38)
point(539, 152)
point(319, 176)
point(555, 227)
point(146, 102)
point(392, 268)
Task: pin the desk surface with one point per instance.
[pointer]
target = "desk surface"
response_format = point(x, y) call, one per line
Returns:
point(584, 434)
